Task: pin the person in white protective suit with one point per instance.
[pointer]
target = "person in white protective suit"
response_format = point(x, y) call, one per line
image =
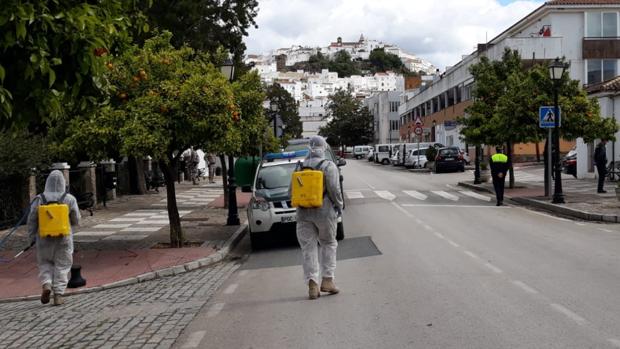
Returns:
point(54, 254)
point(319, 225)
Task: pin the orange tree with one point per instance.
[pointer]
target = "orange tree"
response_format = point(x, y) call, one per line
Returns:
point(165, 100)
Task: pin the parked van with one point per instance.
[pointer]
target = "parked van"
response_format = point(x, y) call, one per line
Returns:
point(360, 151)
point(383, 153)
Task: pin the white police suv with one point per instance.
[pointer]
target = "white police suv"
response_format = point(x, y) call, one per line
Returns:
point(270, 214)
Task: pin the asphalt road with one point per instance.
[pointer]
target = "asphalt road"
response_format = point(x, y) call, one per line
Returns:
point(451, 271)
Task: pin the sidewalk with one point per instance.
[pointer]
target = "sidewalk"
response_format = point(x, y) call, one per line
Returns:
point(124, 243)
point(582, 201)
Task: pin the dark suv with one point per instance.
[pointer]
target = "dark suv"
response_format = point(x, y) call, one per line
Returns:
point(449, 159)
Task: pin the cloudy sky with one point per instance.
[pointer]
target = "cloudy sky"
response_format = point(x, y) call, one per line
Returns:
point(437, 30)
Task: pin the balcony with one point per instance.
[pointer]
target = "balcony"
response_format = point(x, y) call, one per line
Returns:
point(601, 48)
point(538, 48)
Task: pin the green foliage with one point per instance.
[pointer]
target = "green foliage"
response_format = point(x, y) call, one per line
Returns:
point(383, 61)
point(20, 152)
point(249, 96)
point(51, 55)
point(507, 98)
point(431, 153)
point(343, 65)
point(205, 24)
point(287, 111)
point(350, 123)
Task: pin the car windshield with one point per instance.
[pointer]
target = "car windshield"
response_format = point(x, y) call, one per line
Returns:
point(449, 152)
point(275, 177)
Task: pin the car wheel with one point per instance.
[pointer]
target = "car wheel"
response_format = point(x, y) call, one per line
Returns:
point(385, 161)
point(340, 231)
point(462, 169)
point(437, 169)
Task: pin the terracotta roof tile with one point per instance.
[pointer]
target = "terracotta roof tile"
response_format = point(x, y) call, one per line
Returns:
point(605, 86)
point(583, 2)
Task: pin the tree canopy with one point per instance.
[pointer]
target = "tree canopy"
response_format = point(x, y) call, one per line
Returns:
point(51, 56)
point(288, 111)
point(349, 122)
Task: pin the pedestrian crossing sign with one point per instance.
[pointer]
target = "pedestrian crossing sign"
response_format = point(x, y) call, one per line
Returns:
point(547, 117)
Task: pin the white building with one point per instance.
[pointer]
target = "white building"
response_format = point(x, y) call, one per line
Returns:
point(585, 32)
point(384, 108)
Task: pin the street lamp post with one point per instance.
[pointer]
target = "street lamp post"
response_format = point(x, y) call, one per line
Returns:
point(556, 71)
point(228, 70)
point(274, 109)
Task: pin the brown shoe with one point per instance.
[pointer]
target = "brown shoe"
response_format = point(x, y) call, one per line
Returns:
point(45, 293)
point(58, 300)
point(327, 285)
point(313, 290)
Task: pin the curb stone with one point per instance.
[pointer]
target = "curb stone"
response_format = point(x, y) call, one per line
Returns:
point(566, 211)
point(158, 274)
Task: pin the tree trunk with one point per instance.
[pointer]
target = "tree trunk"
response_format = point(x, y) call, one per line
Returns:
point(477, 166)
point(137, 182)
point(176, 233)
point(511, 170)
point(224, 179)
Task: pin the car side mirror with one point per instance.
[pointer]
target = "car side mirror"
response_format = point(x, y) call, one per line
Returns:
point(341, 162)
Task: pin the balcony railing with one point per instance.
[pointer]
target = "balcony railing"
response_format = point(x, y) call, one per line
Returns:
point(601, 48)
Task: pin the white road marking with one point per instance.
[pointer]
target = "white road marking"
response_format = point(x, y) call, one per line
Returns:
point(475, 195)
point(384, 194)
point(154, 222)
point(94, 233)
point(580, 224)
point(419, 221)
point(402, 210)
point(493, 268)
point(126, 219)
point(231, 289)
point(215, 309)
point(522, 285)
point(457, 206)
point(452, 243)
point(194, 339)
point(140, 214)
point(126, 237)
point(606, 230)
point(243, 273)
point(111, 226)
point(440, 235)
point(427, 227)
point(370, 186)
point(147, 210)
point(141, 229)
point(445, 195)
point(472, 255)
point(570, 314)
point(415, 194)
point(614, 342)
point(354, 194)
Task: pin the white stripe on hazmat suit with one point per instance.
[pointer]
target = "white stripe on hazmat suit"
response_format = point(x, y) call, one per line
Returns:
point(54, 255)
point(319, 224)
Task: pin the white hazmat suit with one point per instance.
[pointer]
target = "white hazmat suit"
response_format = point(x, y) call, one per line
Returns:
point(54, 254)
point(319, 224)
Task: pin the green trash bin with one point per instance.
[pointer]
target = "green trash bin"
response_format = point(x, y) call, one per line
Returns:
point(245, 170)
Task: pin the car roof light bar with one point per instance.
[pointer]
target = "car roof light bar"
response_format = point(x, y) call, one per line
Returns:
point(286, 155)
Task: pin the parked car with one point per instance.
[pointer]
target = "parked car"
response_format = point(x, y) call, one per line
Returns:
point(361, 151)
point(270, 214)
point(569, 163)
point(449, 158)
point(371, 155)
point(462, 152)
point(383, 153)
point(416, 158)
point(394, 160)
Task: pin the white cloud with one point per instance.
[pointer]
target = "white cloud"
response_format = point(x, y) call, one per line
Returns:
point(440, 31)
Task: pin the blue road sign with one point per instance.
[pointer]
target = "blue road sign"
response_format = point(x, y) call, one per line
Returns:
point(546, 117)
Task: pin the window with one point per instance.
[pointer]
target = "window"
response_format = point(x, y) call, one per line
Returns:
point(601, 70)
point(394, 125)
point(394, 106)
point(602, 24)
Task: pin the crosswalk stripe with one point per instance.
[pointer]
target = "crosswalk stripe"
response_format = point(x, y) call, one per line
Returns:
point(475, 195)
point(354, 195)
point(415, 194)
point(384, 194)
point(445, 195)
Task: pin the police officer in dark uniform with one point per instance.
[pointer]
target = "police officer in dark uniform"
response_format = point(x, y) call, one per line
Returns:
point(499, 168)
point(600, 160)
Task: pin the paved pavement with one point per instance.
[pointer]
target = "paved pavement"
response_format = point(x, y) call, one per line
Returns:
point(117, 243)
point(146, 315)
point(467, 275)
